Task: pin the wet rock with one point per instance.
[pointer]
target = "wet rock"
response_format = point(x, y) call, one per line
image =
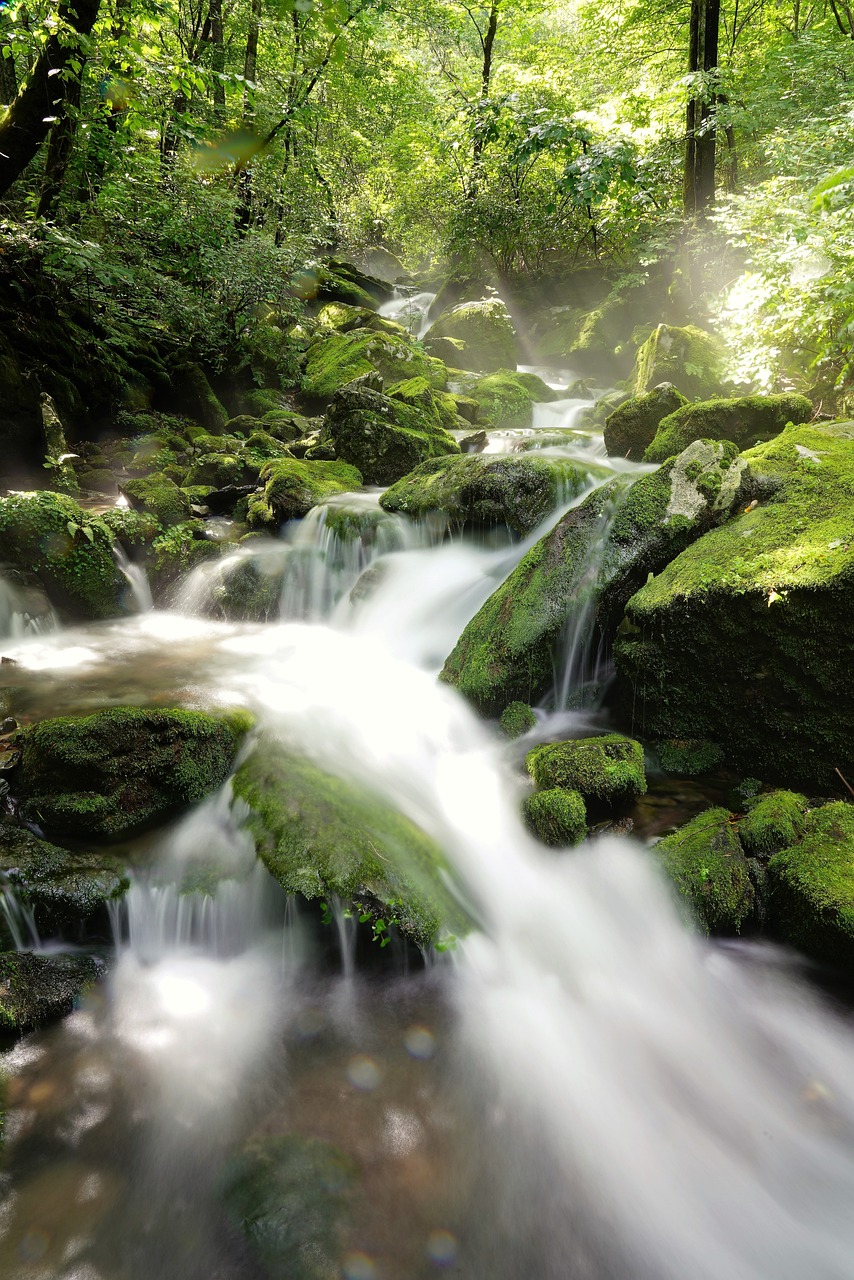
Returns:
point(706, 862)
point(506, 398)
point(517, 719)
point(475, 443)
point(175, 553)
point(487, 331)
point(812, 887)
point(35, 989)
point(630, 428)
point(107, 775)
point(689, 358)
point(608, 769)
point(746, 421)
point(158, 496)
point(557, 817)
point(292, 487)
point(334, 359)
point(773, 822)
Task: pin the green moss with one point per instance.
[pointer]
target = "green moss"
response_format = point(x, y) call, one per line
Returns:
point(705, 861)
point(176, 552)
point(106, 775)
point(417, 392)
point(688, 357)
point(812, 886)
point(506, 398)
point(689, 757)
point(158, 496)
point(320, 835)
point(630, 428)
point(62, 887)
point(292, 488)
point(773, 822)
point(745, 421)
point(517, 719)
point(334, 359)
point(761, 605)
point(35, 989)
point(609, 768)
point(384, 436)
point(487, 331)
point(133, 529)
point(557, 817)
point(69, 549)
point(484, 489)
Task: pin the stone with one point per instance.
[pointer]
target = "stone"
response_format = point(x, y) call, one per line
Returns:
point(746, 421)
point(630, 428)
point(706, 862)
point(487, 331)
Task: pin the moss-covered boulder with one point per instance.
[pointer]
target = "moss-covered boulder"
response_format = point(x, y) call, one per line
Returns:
point(745, 637)
point(746, 421)
point(320, 835)
point(688, 357)
point(133, 530)
point(630, 429)
point(290, 1197)
point(506, 398)
point(812, 887)
point(62, 888)
point(487, 331)
point(773, 822)
point(197, 398)
point(35, 989)
point(69, 550)
point(292, 487)
point(334, 359)
point(176, 552)
point(106, 775)
point(706, 862)
point(516, 719)
point(557, 817)
point(386, 436)
point(481, 490)
point(608, 769)
point(158, 496)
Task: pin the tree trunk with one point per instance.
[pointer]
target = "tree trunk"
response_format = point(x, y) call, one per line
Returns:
point(28, 120)
point(243, 213)
point(8, 76)
point(700, 133)
point(61, 145)
point(217, 58)
point(488, 43)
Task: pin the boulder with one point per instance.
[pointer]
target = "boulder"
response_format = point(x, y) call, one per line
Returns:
point(688, 357)
point(506, 399)
point(812, 886)
point(482, 490)
point(291, 487)
point(487, 331)
point(197, 398)
point(385, 436)
point(608, 770)
point(773, 822)
point(158, 496)
point(35, 989)
point(107, 775)
point(516, 719)
point(557, 817)
point(706, 862)
point(745, 638)
point(319, 835)
point(334, 359)
point(746, 421)
point(69, 550)
point(633, 424)
point(63, 888)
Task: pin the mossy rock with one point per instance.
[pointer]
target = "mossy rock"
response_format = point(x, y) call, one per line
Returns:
point(631, 427)
point(608, 769)
point(745, 637)
point(248, 591)
point(689, 757)
point(812, 887)
point(292, 487)
point(482, 490)
point(773, 822)
point(706, 862)
point(386, 436)
point(285, 426)
point(197, 398)
point(689, 358)
point(334, 359)
point(746, 421)
point(487, 331)
point(506, 398)
point(557, 817)
point(35, 989)
point(69, 549)
point(320, 835)
point(175, 553)
point(107, 775)
point(63, 888)
point(158, 496)
point(290, 1197)
point(517, 719)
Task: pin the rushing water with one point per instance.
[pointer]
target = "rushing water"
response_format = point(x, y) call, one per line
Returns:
point(581, 1089)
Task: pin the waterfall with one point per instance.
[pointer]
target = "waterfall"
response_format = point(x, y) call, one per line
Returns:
point(412, 310)
point(24, 611)
point(136, 578)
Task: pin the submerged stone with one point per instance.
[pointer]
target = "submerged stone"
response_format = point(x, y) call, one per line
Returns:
point(706, 862)
point(109, 774)
point(746, 421)
point(812, 886)
point(609, 768)
point(557, 817)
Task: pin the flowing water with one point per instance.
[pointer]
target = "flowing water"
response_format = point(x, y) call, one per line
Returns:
point(580, 1088)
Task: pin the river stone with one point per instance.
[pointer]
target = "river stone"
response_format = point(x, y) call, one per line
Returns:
point(557, 817)
point(812, 886)
point(482, 490)
point(746, 421)
point(607, 769)
point(761, 606)
point(387, 435)
point(107, 775)
point(291, 487)
point(633, 424)
point(706, 862)
point(35, 989)
point(506, 399)
point(487, 331)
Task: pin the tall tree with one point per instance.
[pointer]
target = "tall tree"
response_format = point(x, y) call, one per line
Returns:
point(27, 122)
point(700, 132)
point(8, 75)
point(243, 215)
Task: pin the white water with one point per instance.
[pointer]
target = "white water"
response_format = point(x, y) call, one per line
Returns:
point(23, 612)
point(641, 1105)
point(409, 310)
point(137, 579)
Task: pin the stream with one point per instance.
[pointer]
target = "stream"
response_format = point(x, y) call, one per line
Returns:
point(580, 1089)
